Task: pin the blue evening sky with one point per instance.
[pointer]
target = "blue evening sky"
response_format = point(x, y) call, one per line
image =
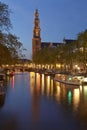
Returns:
point(58, 19)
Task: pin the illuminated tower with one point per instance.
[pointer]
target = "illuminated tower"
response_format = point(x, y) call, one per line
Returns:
point(36, 41)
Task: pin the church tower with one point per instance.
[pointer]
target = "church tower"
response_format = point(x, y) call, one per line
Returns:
point(36, 40)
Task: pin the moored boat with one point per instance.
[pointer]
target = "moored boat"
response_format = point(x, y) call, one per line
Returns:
point(67, 79)
point(68, 82)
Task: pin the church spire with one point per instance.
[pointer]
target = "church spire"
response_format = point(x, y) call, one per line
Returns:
point(36, 30)
point(36, 14)
point(36, 41)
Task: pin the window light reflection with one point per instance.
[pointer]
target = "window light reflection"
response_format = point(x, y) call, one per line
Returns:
point(42, 89)
point(76, 98)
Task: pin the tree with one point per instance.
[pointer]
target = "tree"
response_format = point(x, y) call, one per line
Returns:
point(45, 56)
point(8, 41)
point(5, 23)
point(82, 43)
point(5, 55)
point(14, 46)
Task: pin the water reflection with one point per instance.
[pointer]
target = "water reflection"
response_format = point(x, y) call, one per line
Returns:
point(2, 100)
point(41, 84)
point(12, 82)
point(70, 97)
point(58, 92)
point(85, 93)
point(76, 98)
point(2, 93)
point(40, 103)
point(73, 98)
point(46, 85)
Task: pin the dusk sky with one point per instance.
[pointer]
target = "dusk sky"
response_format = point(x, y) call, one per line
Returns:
point(58, 19)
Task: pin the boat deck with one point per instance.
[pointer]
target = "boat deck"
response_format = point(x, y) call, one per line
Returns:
point(67, 82)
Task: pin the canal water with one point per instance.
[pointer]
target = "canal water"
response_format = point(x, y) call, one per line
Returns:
point(31, 101)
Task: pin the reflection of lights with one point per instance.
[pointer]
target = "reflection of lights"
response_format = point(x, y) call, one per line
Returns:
point(32, 74)
point(32, 78)
point(69, 97)
point(32, 81)
point(48, 85)
point(48, 80)
point(76, 98)
point(42, 84)
point(85, 89)
point(38, 81)
point(85, 92)
point(81, 88)
point(51, 86)
point(13, 82)
point(57, 83)
point(37, 74)
point(58, 93)
point(63, 90)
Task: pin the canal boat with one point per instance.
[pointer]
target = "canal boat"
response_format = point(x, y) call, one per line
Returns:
point(84, 81)
point(68, 82)
point(71, 79)
point(67, 79)
point(81, 78)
